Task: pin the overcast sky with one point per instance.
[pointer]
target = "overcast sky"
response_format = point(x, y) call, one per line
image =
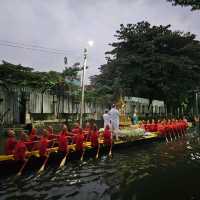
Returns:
point(69, 24)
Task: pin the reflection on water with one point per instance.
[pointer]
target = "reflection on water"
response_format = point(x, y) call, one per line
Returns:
point(155, 171)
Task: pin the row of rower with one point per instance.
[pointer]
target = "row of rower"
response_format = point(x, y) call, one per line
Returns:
point(48, 139)
point(165, 127)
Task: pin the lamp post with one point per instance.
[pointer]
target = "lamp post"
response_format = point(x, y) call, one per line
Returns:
point(90, 43)
point(83, 87)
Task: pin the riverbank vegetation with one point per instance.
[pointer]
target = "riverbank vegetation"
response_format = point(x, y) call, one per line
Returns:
point(153, 62)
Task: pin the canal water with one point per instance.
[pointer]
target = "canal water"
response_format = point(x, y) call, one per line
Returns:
point(154, 171)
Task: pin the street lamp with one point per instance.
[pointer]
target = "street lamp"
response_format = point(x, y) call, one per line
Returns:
point(90, 43)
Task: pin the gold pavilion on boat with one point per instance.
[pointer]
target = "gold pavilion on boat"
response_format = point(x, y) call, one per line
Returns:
point(124, 121)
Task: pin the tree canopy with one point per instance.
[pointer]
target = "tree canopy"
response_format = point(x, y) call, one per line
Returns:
point(20, 76)
point(152, 62)
point(195, 4)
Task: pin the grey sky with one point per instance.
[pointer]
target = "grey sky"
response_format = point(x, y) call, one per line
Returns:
point(69, 24)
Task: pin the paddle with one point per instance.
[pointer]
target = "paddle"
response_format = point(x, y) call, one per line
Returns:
point(81, 159)
point(97, 155)
point(45, 161)
point(64, 159)
point(110, 152)
point(22, 168)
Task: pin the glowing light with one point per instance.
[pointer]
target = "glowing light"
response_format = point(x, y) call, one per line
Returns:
point(91, 43)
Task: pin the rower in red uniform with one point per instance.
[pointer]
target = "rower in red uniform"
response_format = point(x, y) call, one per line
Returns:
point(51, 135)
point(10, 143)
point(33, 136)
point(153, 126)
point(76, 129)
point(78, 140)
point(161, 129)
point(87, 131)
point(62, 140)
point(94, 138)
point(107, 135)
point(20, 148)
point(43, 144)
point(147, 126)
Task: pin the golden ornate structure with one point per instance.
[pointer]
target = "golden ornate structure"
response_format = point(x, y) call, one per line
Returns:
point(123, 119)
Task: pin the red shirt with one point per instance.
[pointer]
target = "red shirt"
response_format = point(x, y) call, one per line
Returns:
point(43, 145)
point(10, 145)
point(107, 137)
point(87, 132)
point(94, 138)
point(20, 150)
point(76, 131)
point(79, 138)
point(33, 135)
point(161, 128)
point(153, 127)
point(62, 146)
point(51, 135)
point(147, 127)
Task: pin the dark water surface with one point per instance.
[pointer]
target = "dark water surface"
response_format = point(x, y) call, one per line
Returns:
point(154, 171)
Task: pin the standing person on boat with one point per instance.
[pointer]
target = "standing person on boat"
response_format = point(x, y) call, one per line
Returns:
point(10, 142)
point(135, 118)
point(106, 118)
point(20, 148)
point(43, 144)
point(114, 117)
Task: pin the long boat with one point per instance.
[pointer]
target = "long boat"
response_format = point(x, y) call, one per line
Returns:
point(8, 165)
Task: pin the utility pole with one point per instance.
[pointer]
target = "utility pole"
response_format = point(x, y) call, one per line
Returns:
point(83, 87)
point(197, 106)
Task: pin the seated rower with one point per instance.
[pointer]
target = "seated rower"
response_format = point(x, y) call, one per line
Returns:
point(78, 140)
point(76, 129)
point(20, 148)
point(10, 142)
point(107, 135)
point(33, 135)
point(51, 135)
point(94, 138)
point(87, 131)
point(63, 141)
point(43, 144)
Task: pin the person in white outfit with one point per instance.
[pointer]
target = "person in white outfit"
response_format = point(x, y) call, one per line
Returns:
point(106, 118)
point(114, 118)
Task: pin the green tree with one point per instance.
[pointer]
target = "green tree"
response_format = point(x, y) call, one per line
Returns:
point(152, 62)
point(195, 4)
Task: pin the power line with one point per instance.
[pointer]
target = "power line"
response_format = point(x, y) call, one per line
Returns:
point(32, 49)
point(37, 48)
point(34, 46)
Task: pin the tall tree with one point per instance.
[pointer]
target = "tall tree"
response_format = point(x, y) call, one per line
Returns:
point(195, 4)
point(152, 62)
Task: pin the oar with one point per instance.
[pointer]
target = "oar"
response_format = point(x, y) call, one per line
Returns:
point(110, 152)
point(174, 133)
point(23, 166)
point(81, 159)
point(44, 164)
point(45, 161)
point(64, 159)
point(97, 155)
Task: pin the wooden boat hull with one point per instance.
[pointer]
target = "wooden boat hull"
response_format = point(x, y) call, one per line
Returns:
point(10, 166)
